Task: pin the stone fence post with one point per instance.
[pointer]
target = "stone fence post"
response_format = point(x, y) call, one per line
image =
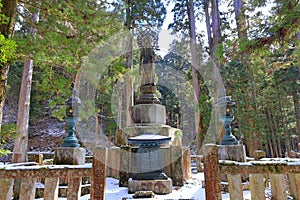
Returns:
point(212, 172)
point(99, 174)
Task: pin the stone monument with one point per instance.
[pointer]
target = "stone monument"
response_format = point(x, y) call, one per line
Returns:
point(148, 114)
point(143, 162)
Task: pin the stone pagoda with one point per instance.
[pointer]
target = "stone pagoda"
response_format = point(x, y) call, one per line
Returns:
point(148, 135)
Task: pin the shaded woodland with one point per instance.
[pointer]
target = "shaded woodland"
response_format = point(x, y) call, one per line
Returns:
point(253, 43)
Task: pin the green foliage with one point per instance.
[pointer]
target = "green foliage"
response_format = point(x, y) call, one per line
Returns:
point(144, 13)
point(7, 133)
point(109, 78)
point(7, 49)
point(65, 33)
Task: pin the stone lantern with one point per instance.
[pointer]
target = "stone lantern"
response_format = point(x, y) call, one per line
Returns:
point(228, 138)
point(72, 113)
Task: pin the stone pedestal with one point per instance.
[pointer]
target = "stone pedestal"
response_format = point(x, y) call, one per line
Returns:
point(69, 156)
point(159, 129)
point(157, 186)
point(149, 113)
point(234, 153)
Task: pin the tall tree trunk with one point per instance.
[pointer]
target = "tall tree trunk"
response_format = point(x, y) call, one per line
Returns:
point(240, 19)
point(253, 137)
point(276, 130)
point(296, 100)
point(216, 31)
point(195, 63)
point(284, 125)
point(212, 20)
point(273, 143)
point(9, 8)
point(21, 142)
point(207, 22)
point(129, 63)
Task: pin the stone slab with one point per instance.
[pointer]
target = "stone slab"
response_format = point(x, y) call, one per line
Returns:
point(177, 165)
point(232, 152)
point(149, 113)
point(156, 186)
point(69, 156)
point(6, 189)
point(164, 130)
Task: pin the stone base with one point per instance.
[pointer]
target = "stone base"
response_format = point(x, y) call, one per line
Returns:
point(149, 113)
point(138, 129)
point(156, 186)
point(69, 156)
point(234, 153)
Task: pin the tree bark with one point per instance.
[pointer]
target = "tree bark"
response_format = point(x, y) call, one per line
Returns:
point(297, 109)
point(9, 9)
point(195, 63)
point(215, 24)
point(20, 144)
point(239, 10)
point(129, 63)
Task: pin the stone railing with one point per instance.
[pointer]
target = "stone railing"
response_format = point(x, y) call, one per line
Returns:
point(284, 175)
point(51, 173)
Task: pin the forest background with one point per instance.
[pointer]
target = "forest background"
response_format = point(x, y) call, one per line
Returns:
point(257, 53)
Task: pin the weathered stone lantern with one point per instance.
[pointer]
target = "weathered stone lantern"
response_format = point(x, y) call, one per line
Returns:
point(72, 113)
point(228, 138)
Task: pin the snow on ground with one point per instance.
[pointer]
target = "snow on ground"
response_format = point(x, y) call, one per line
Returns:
point(191, 190)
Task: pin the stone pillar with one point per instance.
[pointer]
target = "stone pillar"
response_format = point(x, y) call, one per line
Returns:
point(212, 172)
point(177, 166)
point(166, 160)
point(278, 186)
point(294, 181)
point(125, 162)
point(74, 187)
point(27, 189)
point(51, 188)
point(113, 162)
point(99, 174)
point(235, 187)
point(37, 157)
point(187, 172)
point(71, 156)
point(257, 186)
point(6, 189)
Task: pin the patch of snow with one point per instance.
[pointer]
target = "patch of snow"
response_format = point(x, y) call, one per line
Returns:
point(192, 189)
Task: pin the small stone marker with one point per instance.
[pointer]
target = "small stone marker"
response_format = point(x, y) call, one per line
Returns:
point(143, 194)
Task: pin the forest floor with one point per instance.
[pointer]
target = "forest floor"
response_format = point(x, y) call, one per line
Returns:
point(44, 135)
